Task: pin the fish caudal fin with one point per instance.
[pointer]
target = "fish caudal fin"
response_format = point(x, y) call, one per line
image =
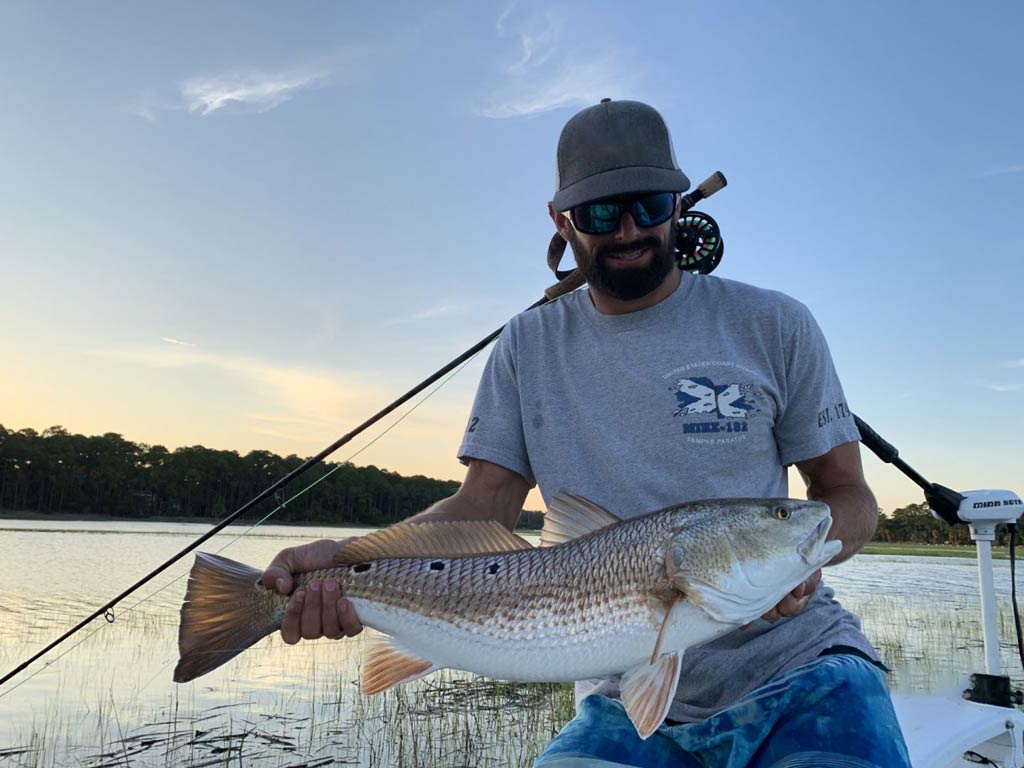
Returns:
point(225, 611)
point(647, 692)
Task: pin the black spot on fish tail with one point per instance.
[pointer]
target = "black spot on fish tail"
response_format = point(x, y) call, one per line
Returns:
point(493, 568)
point(437, 565)
point(361, 568)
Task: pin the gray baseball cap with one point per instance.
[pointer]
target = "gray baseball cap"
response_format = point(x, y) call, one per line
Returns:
point(615, 148)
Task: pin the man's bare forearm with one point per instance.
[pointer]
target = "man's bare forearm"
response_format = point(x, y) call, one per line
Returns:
point(837, 478)
point(488, 493)
point(854, 517)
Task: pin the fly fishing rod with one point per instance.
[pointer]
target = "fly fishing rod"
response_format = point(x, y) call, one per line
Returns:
point(700, 249)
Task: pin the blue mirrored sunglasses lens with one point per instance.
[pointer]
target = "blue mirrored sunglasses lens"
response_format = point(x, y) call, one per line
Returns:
point(652, 209)
point(603, 217)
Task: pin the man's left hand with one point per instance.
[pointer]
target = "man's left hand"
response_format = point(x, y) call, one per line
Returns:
point(794, 603)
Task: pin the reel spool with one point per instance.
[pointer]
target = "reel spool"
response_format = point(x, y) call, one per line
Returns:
point(699, 243)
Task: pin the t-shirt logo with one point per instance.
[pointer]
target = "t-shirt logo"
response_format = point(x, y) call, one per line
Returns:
point(701, 395)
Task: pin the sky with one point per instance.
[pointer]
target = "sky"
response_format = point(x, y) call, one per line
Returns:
point(253, 225)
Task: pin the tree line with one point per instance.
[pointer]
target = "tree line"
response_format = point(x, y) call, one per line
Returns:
point(56, 472)
point(915, 523)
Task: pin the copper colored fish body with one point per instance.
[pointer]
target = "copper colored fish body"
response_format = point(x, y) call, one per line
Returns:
point(599, 597)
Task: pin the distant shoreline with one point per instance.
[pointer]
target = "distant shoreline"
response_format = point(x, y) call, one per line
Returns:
point(932, 550)
point(6, 514)
point(871, 548)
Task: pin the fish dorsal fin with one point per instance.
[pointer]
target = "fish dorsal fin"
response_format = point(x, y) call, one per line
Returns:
point(444, 538)
point(647, 692)
point(387, 664)
point(569, 517)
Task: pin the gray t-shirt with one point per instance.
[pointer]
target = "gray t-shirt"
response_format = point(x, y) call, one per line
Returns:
point(709, 394)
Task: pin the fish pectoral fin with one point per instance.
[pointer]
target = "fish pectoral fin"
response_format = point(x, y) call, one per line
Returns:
point(387, 664)
point(661, 632)
point(569, 517)
point(647, 692)
point(445, 538)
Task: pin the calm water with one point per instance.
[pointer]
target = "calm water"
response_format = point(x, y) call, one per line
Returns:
point(106, 697)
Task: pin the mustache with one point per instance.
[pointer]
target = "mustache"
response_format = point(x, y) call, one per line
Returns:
point(647, 242)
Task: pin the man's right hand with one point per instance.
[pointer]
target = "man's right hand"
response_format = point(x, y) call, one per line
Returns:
point(318, 609)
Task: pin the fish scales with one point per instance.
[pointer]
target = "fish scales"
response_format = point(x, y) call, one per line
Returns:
point(599, 580)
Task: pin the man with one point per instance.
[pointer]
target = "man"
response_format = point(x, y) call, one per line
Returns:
point(650, 388)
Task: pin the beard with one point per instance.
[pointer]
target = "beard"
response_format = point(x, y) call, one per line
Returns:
point(626, 284)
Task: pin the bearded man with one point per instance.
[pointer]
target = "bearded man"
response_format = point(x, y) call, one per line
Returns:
point(650, 388)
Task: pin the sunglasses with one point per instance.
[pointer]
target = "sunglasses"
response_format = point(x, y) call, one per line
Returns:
point(603, 216)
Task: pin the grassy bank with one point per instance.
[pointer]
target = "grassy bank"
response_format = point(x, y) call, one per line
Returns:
point(929, 550)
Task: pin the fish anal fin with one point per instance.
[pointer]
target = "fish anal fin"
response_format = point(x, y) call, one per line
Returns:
point(647, 692)
point(569, 517)
point(386, 664)
point(447, 538)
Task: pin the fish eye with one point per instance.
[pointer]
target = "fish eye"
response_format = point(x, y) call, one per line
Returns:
point(781, 513)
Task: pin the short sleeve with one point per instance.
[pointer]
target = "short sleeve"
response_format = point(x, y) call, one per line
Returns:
point(814, 417)
point(495, 429)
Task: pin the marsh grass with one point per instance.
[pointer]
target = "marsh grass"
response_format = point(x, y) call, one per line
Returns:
point(315, 717)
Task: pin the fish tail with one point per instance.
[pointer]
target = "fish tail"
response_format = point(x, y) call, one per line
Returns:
point(225, 611)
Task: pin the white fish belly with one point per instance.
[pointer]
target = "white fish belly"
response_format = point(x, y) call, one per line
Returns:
point(604, 649)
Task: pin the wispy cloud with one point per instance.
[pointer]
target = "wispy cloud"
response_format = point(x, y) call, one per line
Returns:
point(264, 417)
point(179, 342)
point(309, 400)
point(537, 43)
point(255, 90)
point(1019, 363)
point(503, 17)
point(995, 387)
point(432, 313)
point(1003, 170)
point(545, 73)
point(250, 90)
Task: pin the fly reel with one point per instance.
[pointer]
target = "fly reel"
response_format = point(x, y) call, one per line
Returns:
point(699, 243)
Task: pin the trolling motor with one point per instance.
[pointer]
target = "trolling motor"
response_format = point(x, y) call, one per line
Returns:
point(981, 511)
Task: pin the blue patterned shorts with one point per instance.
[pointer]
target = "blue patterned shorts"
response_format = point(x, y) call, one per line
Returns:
point(834, 712)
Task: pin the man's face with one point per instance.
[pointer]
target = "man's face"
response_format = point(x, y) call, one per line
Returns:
point(630, 262)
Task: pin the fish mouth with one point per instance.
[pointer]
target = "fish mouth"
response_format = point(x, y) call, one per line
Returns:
point(812, 549)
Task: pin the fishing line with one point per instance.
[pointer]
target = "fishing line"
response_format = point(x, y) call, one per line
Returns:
point(227, 544)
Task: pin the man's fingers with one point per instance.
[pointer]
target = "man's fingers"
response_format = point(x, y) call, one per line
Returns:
point(350, 623)
point(291, 631)
point(792, 606)
point(278, 575)
point(329, 610)
point(312, 618)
